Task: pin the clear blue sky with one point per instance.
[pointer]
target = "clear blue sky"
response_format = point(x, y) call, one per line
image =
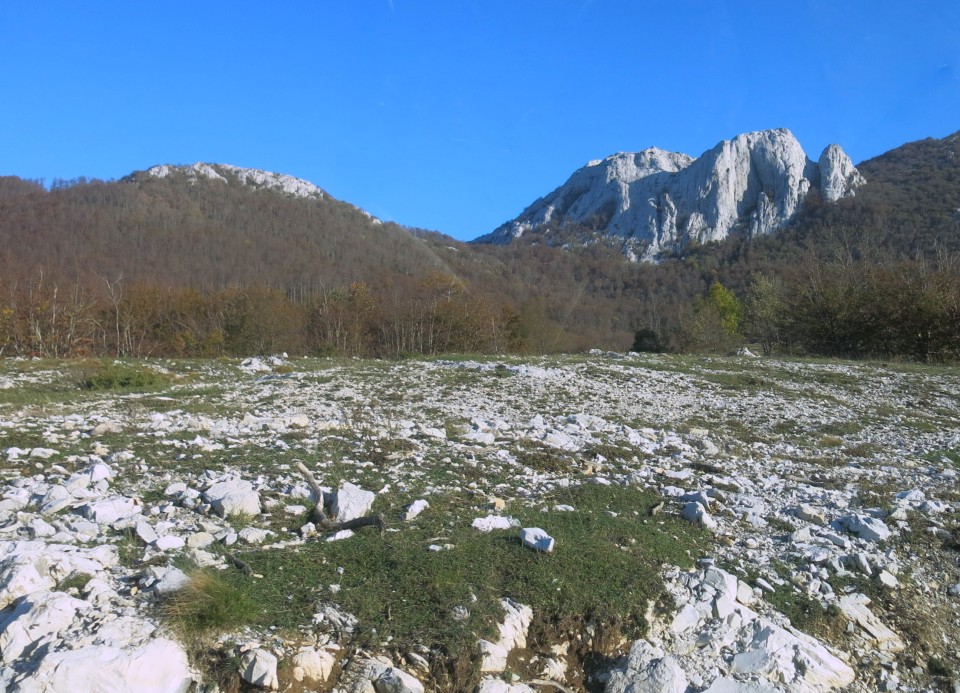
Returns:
point(455, 114)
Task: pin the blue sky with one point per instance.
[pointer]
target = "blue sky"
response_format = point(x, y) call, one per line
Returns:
point(454, 115)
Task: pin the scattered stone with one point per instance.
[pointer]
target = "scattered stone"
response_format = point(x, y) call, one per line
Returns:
point(697, 514)
point(809, 513)
point(513, 635)
point(854, 607)
point(536, 539)
point(233, 497)
point(492, 522)
point(200, 540)
point(395, 680)
point(350, 502)
point(315, 665)
point(414, 509)
point(259, 667)
point(169, 542)
point(865, 527)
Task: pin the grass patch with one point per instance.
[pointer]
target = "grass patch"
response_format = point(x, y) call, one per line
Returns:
point(208, 603)
point(119, 376)
point(841, 428)
point(807, 614)
point(75, 581)
point(605, 569)
point(542, 458)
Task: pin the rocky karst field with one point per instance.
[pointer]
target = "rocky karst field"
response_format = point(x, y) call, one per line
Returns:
point(605, 522)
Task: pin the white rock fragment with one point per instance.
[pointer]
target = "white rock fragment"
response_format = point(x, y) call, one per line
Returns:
point(110, 510)
point(253, 535)
point(395, 680)
point(350, 502)
point(513, 635)
point(492, 522)
point(233, 497)
point(414, 509)
point(169, 542)
point(536, 539)
point(315, 665)
point(492, 685)
point(145, 532)
point(865, 527)
point(259, 668)
point(854, 607)
point(697, 514)
point(37, 615)
point(159, 666)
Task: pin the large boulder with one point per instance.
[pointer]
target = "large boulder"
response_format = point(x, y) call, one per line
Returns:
point(350, 502)
point(159, 666)
point(37, 615)
point(233, 497)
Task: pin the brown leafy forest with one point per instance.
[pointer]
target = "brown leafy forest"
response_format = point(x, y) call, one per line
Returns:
point(178, 267)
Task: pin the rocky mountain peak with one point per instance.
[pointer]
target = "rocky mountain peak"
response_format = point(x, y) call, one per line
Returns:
point(838, 176)
point(655, 202)
point(279, 182)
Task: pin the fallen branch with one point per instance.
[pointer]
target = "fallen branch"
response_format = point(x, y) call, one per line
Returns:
point(554, 684)
point(370, 521)
point(318, 515)
point(239, 565)
point(327, 524)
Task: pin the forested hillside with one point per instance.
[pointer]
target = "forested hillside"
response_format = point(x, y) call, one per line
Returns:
point(156, 266)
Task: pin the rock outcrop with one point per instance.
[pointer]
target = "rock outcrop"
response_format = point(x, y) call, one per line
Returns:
point(654, 202)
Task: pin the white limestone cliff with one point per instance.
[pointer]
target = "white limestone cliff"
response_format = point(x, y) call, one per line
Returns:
point(838, 176)
point(657, 202)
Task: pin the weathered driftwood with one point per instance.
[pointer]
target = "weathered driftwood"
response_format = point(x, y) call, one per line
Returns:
point(329, 524)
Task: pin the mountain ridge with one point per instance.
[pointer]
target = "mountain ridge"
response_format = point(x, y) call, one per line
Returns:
point(657, 203)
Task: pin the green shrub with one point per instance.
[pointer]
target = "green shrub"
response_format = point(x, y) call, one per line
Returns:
point(207, 603)
point(116, 376)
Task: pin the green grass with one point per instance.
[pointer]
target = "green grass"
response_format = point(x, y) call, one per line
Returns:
point(122, 376)
point(604, 569)
point(207, 604)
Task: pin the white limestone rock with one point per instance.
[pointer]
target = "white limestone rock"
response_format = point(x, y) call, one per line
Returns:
point(350, 502)
point(647, 670)
point(513, 635)
point(145, 532)
point(697, 514)
point(233, 497)
point(865, 527)
point(110, 510)
point(39, 614)
point(492, 522)
point(29, 566)
point(492, 685)
point(414, 509)
point(315, 665)
point(855, 608)
point(395, 680)
point(159, 666)
point(536, 539)
point(654, 202)
point(224, 173)
point(259, 668)
point(169, 542)
point(838, 176)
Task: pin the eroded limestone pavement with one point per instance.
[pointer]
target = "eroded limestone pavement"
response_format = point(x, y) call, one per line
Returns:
point(819, 482)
